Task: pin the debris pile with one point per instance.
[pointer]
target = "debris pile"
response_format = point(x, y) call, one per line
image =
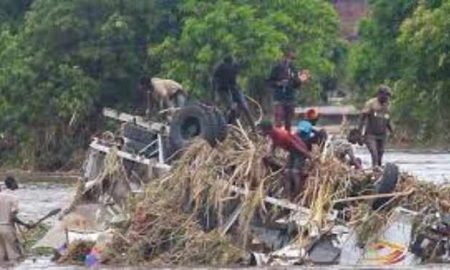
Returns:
point(206, 209)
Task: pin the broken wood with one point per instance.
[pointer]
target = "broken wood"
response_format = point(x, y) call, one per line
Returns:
point(376, 196)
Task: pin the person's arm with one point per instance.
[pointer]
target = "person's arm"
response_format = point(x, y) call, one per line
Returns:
point(389, 126)
point(362, 121)
point(351, 155)
point(364, 116)
point(16, 220)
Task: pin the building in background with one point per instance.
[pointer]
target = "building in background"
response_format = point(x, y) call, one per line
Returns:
point(350, 12)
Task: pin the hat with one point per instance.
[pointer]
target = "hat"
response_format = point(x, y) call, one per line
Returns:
point(265, 124)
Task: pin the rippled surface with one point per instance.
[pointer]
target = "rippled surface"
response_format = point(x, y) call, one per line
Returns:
point(433, 167)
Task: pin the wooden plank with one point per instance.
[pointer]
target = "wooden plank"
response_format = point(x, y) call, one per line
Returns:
point(231, 220)
point(105, 149)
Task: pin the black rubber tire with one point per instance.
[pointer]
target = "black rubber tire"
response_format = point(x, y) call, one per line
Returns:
point(386, 185)
point(137, 133)
point(190, 122)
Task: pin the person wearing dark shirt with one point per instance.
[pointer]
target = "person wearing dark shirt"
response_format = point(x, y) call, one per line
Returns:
point(226, 90)
point(284, 79)
point(293, 179)
point(375, 123)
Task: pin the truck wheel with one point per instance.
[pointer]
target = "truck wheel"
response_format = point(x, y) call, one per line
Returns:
point(386, 184)
point(191, 122)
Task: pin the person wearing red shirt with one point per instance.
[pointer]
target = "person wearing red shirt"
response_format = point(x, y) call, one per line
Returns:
point(298, 152)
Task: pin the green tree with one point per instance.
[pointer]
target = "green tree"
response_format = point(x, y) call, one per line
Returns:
point(376, 57)
point(68, 59)
point(422, 93)
point(255, 32)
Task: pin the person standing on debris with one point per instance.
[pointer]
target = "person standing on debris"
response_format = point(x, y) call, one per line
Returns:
point(375, 123)
point(163, 93)
point(226, 90)
point(10, 249)
point(293, 179)
point(284, 80)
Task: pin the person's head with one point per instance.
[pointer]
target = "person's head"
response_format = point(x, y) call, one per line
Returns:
point(312, 115)
point(383, 94)
point(289, 55)
point(354, 136)
point(11, 183)
point(265, 126)
point(228, 59)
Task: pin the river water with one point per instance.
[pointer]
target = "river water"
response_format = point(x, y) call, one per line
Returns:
point(37, 199)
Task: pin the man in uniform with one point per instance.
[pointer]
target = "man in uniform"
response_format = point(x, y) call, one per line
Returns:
point(10, 249)
point(375, 123)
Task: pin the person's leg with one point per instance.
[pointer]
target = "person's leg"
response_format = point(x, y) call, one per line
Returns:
point(372, 146)
point(180, 99)
point(380, 149)
point(12, 245)
point(287, 184)
point(288, 115)
point(243, 106)
point(289, 180)
point(2, 247)
point(278, 114)
point(296, 179)
point(228, 104)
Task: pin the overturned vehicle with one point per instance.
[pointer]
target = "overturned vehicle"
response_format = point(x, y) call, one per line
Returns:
point(200, 192)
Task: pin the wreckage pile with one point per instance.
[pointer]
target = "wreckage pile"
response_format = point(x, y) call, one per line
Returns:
point(204, 211)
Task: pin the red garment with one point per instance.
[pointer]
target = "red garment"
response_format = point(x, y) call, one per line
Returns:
point(288, 141)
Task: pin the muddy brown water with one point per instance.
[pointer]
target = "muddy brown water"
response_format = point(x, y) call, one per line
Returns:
point(37, 199)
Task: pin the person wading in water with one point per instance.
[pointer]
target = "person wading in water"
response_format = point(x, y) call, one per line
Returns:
point(375, 122)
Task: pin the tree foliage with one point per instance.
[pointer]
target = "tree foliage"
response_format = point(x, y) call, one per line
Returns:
point(424, 88)
point(63, 60)
point(255, 33)
point(68, 59)
point(406, 43)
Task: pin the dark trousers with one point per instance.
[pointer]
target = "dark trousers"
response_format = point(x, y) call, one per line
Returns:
point(294, 178)
point(234, 100)
point(376, 145)
point(283, 114)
